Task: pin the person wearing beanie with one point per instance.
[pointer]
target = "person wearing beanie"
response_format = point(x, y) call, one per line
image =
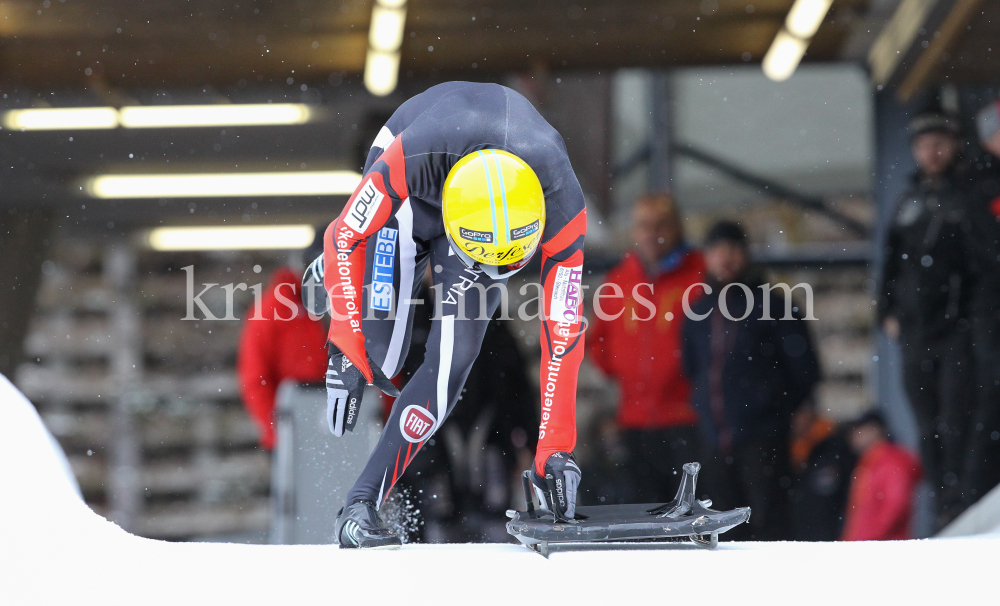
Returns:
point(925, 295)
point(751, 365)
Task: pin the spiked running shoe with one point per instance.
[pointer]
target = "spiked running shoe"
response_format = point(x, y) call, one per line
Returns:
point(359, 525)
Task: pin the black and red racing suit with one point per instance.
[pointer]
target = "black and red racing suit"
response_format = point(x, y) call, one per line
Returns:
point(377, 251)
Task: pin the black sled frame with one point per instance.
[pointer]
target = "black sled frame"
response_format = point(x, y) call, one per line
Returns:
point(685, 517)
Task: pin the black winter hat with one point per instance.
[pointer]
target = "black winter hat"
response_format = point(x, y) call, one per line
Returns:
point(933, 122)
point(726, 231)
point(870, 417)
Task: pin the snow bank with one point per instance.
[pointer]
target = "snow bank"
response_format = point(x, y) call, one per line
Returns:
point(981, 518)
point(54, 550)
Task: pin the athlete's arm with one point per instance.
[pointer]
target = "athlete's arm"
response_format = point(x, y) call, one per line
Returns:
point(376, 199)
point(561, 338)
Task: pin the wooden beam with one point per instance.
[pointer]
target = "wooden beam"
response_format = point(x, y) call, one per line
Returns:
point(897, 37)
point(945, 37)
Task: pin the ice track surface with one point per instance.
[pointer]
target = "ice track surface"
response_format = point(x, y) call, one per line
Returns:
point(55, 550)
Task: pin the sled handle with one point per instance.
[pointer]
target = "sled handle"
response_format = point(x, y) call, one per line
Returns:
point(529, 498)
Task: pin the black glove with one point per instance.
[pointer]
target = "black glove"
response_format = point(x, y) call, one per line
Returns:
point(345, 386)
point(314, 295)
point(557, 490)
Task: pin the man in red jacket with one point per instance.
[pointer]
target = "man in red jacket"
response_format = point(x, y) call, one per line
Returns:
point(282, 343)
point(635, 339)
point(880, 503)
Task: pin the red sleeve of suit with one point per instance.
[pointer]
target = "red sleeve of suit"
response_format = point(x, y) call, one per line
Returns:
point(376, 199)
point(562, 338)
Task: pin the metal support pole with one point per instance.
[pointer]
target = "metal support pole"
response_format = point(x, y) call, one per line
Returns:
point(124, 489)
point(661, 174)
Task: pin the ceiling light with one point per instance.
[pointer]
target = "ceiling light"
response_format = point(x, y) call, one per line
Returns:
point(175, 116)
point(806, 16)
point(159, 116)
point(231, 238)
point(202, 185)
point(381, 72)
point(386, 31)
point(385, 37)
point(63, 118)
point(783, 57)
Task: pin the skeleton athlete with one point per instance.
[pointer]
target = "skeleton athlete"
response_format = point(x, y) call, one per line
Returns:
point(469, 178)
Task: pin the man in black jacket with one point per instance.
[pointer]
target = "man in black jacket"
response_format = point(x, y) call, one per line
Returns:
point(927, 283)
point(751, 364)
point(981, 471)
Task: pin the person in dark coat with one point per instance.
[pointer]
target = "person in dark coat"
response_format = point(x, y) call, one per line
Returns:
point(822, 462)
point(748, 375)
point(981, 471)
point(926, 291)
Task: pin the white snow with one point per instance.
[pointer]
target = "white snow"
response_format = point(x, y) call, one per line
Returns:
point(55, 550)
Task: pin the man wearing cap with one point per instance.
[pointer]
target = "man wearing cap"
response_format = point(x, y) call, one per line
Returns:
point(924, 303)
point(469, 179)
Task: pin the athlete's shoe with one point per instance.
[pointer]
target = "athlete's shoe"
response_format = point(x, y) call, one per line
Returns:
point(358, 525)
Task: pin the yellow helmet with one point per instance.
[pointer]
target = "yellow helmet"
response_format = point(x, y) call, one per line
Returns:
point(494, 211)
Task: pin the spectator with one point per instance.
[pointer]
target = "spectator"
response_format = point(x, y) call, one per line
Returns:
point(636, 341)
point(283, 343)
point(822, 463)
point(880, 504)
point(748, 376)
point(982, 463)
point(925, 298)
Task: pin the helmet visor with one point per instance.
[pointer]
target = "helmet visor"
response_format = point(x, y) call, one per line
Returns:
point(496, 272)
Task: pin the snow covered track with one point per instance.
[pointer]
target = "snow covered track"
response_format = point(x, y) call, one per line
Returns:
point(55, 550)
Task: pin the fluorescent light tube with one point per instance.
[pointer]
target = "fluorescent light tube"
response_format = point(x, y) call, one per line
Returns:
point(179, 116)
point(157, 116)
point(263, 237)
point(386, 31)
point(381, 72)
point(61, 118)
point(783, 57)
point(206, 185)
point(806, 16)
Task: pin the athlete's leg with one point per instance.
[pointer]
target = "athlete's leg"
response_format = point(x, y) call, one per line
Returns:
point(395, 265)
point(452, 347)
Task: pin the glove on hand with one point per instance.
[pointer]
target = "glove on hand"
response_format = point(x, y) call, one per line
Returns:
point(557, 490)
point(345, 387)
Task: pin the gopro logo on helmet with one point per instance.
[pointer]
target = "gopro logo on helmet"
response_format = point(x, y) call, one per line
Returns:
point(475, 236)
point(523, 232)
point(364, 207)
